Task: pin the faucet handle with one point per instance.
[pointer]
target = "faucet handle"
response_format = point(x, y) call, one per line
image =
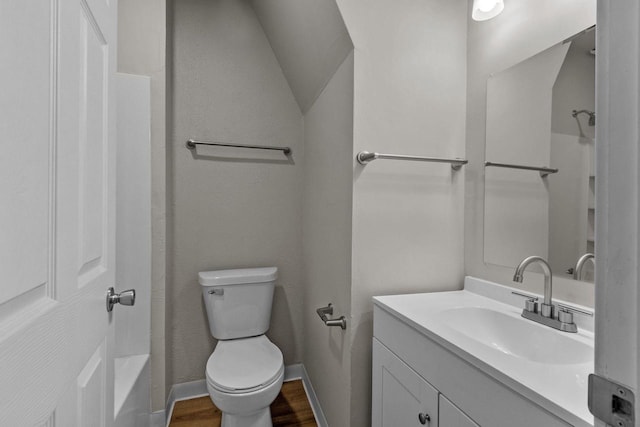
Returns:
point(565, 316)
point(563, 307)
point(530, 304)
point(523, 295)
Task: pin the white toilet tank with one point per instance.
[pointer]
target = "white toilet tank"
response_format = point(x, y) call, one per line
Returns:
point(238, 301)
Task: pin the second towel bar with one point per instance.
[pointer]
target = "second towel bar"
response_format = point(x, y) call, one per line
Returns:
point(323, 311)
point(192, 143)
point(365, 157)
point(544, 171)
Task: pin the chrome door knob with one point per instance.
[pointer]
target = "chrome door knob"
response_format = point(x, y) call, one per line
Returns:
point(424, 418)
point(127, 297)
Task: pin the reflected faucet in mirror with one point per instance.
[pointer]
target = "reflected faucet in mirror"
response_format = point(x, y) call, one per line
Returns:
point(591, 114)
point(577, 271)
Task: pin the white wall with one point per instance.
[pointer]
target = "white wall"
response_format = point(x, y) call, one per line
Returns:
point(402, 91)
point(228, 85)
point(313, 47)
point(141, 50)
point(327, 239)
point(310, 41)
point(522, 30)
point(410, 73)
point(226, 213)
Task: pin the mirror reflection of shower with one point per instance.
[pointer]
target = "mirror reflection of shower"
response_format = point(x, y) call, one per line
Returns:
point(524, 213)
point(591, 114)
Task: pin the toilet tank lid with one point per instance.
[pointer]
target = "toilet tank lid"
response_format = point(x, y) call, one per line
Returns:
point(238, 276)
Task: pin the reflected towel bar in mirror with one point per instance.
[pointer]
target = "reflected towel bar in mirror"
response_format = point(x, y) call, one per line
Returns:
point(544, 171)
point(192, 143)
point(365, 157)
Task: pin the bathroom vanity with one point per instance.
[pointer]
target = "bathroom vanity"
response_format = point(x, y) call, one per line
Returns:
point(467, 358)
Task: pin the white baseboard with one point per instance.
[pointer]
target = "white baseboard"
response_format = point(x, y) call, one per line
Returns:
point(313, 398)
point(158, 419)
point(293, 372)
point(198, 388)
point(184, 391)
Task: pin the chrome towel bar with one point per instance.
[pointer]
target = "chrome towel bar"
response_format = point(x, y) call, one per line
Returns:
point(544, 171)
point(365, 157)
point(328, 310)
point(192, 143)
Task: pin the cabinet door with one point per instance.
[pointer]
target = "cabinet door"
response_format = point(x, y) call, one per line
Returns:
point(451, 416)
point(400, 396)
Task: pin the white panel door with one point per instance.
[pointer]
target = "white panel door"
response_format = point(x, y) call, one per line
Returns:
point(57, 67)
point(401, 397)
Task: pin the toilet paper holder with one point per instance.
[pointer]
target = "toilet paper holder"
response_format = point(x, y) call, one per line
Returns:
point(328, 310)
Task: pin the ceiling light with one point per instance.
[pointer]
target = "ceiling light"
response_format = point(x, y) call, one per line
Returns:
point(486, 9)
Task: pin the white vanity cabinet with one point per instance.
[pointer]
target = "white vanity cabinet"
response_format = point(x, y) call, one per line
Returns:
point(414, 373)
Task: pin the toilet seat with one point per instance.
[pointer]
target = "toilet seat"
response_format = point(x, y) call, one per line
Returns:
point(244, 365)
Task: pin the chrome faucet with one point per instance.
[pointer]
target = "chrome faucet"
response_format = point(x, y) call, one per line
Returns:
point(577, 271)
point(547, 306)
point(564, 319)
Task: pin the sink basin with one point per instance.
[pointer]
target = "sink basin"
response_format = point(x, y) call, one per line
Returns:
point(516, 336)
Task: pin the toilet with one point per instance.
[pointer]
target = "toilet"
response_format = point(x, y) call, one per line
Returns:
point(245, 371)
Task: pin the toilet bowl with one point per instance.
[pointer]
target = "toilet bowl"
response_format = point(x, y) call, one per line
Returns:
point(246, 370)
point(244, 377)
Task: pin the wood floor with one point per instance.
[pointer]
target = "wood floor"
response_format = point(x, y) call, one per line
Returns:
point(291, 408)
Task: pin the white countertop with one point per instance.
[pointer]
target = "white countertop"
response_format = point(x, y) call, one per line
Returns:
point(558, 386)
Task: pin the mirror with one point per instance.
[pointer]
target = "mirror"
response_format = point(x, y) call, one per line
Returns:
point(540, 113)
